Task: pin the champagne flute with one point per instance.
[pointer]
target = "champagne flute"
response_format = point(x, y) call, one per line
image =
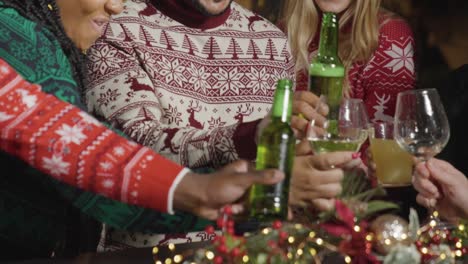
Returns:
point(345, 129)
point(422, 129)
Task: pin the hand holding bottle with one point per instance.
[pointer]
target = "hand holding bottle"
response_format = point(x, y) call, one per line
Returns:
point(450, 199)
point(205, 194)
point(275, 149)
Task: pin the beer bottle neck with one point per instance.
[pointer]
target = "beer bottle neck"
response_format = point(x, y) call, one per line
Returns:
point(328, 45)
point(282, 102)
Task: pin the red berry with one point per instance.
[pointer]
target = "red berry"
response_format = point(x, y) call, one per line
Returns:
point(271, 244)
point(222, 249)
point(418, 244)
point(218, 260)
point(227, 210)
point(220, 239)
point(436, 239)
point(209, 229)
point(230, 230)
point(283, 235)
point(235, 252)
point(277, 224)
point(230, 224)
point(220, 222)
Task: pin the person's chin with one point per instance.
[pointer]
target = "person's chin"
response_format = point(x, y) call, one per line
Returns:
point(213, 9)
point(86, 43)
point(333, 8)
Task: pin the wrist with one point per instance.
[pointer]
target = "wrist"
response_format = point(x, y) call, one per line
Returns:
point(189, 194)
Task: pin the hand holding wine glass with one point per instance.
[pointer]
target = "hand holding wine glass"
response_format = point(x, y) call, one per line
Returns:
point(421, 127)
point(345, 129)
point(438, 176)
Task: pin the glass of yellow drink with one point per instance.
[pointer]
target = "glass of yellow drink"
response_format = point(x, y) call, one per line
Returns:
point(394, 166)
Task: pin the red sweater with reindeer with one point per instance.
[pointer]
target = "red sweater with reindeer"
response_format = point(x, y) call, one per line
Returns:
point(389, 71)
point(188, 86)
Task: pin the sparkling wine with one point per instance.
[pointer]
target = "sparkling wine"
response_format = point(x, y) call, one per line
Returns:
point(329, 145)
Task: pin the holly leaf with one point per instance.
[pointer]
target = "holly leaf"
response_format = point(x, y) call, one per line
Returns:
point(413, 226)
point(376, 206)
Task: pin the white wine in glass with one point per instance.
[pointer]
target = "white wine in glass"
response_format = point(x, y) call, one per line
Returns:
point(422, 128)
point(345, 131)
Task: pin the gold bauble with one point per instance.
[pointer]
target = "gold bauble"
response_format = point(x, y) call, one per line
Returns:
point(389, 231)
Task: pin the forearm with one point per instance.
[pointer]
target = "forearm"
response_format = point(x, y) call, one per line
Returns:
point(71, 146)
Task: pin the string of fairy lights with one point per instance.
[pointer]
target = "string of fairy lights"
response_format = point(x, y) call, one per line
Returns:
point(296, 246)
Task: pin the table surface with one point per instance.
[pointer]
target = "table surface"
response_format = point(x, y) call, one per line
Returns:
point(127, 256)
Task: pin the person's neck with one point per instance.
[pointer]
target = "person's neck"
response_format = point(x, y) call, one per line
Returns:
point(184, 12)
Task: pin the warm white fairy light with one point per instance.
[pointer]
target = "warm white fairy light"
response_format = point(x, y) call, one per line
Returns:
point(168, 261)
point(312, 234)
point(300, 252)
point(209, 255)
point(424, 250)
point(461, 227)
point(357, 228)
point(178, 258)
point(347, 259)
point(291, 239)
point(245, 258)
point(266, 231)
point(319, 241)
point(171, 247)
point(312, 251)
point(155, 250)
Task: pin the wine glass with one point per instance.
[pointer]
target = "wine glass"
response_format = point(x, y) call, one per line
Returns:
point(345, 128)
point(393, 165)
point(422, 129)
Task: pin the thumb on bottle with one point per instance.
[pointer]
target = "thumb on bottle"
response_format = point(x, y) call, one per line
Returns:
point(268, 177)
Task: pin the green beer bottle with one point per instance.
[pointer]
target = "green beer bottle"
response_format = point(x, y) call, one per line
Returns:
point(275, 150)
point(326, 71)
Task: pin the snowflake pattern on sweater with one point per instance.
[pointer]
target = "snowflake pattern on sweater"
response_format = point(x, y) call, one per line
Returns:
point(389, 71)
point(72, 146)
point(187, 93)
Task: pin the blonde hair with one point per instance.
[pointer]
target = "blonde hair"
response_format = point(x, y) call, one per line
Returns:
point(301, 20)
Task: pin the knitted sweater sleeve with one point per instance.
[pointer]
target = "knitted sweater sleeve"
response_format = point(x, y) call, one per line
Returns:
point(123, 93)
point(389, 71)
point(71, 146)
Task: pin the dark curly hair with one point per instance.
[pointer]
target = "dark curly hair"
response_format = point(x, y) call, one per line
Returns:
point(46, 13)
